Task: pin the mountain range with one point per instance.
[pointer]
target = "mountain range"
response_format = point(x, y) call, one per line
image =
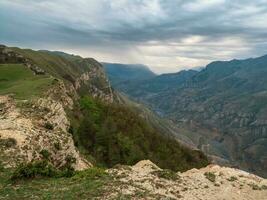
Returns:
point(67, 132)
point(222, 109)
point(124, 73)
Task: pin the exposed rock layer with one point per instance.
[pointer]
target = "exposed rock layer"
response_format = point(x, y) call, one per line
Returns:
point(35, 126)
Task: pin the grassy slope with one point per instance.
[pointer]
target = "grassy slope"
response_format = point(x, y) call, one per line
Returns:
point(84, 185)
point(66, 67)
point(20, 81)
point(53, 64)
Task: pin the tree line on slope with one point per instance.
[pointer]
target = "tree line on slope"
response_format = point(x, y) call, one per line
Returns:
point(114, 134)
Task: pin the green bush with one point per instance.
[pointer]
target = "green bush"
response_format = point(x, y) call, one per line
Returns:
point(166, 174)
point(66, 172)
point(46, 154)
point(210, 176)
point(40, 169)
point(67, 169)
point(33, 170)
point(49, 126)
point(91, 173)
point(57, 146)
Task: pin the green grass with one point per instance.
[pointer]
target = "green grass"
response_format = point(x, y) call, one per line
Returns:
point(87, 184)
point(55, 65)
point(17, 79)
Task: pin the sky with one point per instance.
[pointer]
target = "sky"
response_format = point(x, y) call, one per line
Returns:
point(166, 35)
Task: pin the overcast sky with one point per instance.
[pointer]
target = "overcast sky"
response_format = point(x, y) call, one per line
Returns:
point(166, 35)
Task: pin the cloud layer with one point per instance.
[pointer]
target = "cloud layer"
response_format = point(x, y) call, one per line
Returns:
point(167, 35)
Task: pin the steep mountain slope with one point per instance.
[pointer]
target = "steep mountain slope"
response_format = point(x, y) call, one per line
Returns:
point(155, 85)
point(36, 94)
point(125, 73)
point(52, 121)
point(50, 99)
point(164, 125)
point(223, 108)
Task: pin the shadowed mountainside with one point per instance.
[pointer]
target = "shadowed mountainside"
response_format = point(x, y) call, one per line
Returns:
point(120, 74)
point(222, 109)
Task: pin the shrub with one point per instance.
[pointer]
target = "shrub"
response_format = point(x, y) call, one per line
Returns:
point(55, 81)
point(71, 130)
point(70, 160)
point(254, 186)
point(33, 170)
point(232, 178)
point(45, 153)
point(90, 173)
point(66, 172)
point(41, 168)
point(166, 174)
point(210, 176)
point(57, 146)
point(49, 126)
point(8, 143)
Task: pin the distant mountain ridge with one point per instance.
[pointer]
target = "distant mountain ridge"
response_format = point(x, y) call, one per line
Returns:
point(158, 83)
point(222, 108)
point(119, 73)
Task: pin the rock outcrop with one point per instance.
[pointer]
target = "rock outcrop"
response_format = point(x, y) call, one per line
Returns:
point(9, 56)
point(146, 181)
point(40, 124)
point(31, 127)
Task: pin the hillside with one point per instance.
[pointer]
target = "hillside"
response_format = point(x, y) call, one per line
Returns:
point(68, 134)
point(222, 109)
point(36, 97)
point(60, 109)
point(120, 74)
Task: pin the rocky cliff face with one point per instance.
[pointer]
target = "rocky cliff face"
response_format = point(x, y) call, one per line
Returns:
point(83, 75)
point(39, 125)
point(101, 90)
point(30, 128)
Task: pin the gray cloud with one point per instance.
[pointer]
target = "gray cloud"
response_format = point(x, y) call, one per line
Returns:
point(167, 35)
